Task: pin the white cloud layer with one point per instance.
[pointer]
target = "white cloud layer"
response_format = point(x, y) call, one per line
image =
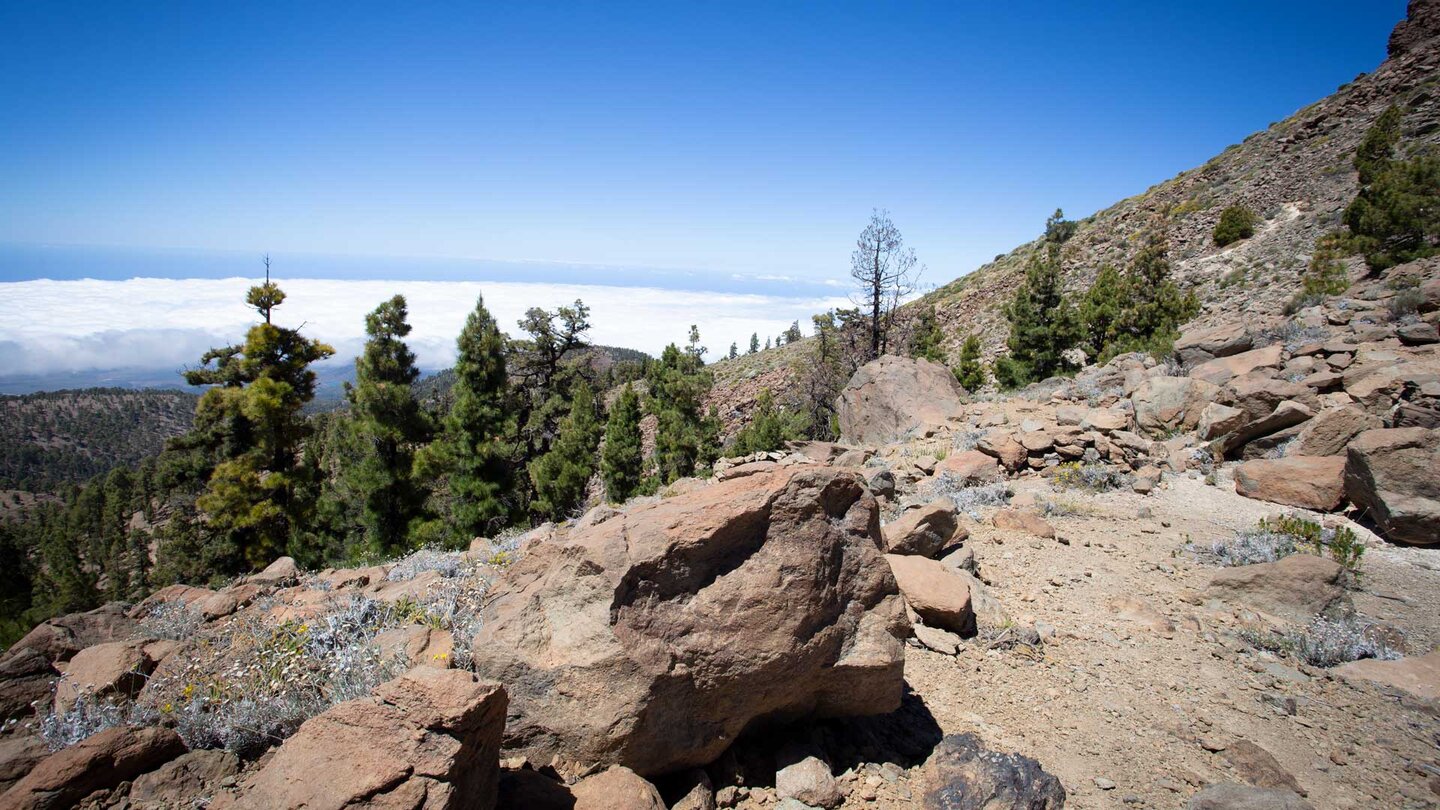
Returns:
point(60, 326)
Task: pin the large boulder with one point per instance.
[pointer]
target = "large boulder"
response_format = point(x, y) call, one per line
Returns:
point(1286, 415)
point(935, 591)
point(893, 396)
point(1295, 588)
point(1394, 475)
point(428, 739)
point(1305, 481)
point(98, 762)
point(653, 639)
point(1167, 404)
point(1260, 394)
point(962, 774)
point(969, 467)
point(924, 530)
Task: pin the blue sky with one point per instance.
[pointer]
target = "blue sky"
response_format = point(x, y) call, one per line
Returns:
point(720, 138)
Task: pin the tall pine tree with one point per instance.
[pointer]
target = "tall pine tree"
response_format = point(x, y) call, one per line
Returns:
point(472, 451)
point(249, 423)
point(1042, 322)
point(387, 426)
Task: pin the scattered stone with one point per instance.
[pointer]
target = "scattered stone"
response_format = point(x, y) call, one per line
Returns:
point(1016, 520)
point(970, 467)
point(1418, 675)
point(1394, 475)
point(616, 788)
point(1295, 588)
point(936, 592)
point(1166, 404)
point(809, 781)
point(933, 638)
point(184, 780)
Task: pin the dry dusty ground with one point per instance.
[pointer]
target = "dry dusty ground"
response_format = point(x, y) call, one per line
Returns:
point(1125, 715)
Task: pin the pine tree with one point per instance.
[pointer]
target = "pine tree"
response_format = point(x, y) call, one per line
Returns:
point(734, 351)
point(1100, 310)
point(685, 436)
point(561, 475)
point(767, 344)
point(793, 334)
point(623, 462)
point(250, 426)
point(1042, 323)
point(1154, 307)
point(927, 340)
point(971, 371)
point(1058, 229)
point(754, 342)
point(473, 451)
point(387, 426)
point(768, 427)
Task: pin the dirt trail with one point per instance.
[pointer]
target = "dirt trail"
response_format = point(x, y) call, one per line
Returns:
point(1124, 713)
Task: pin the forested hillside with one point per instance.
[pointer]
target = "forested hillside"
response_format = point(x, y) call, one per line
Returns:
point(51, 439)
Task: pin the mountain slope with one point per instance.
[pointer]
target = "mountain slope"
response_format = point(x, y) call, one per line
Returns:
point(53, 438)
point(1296, 174)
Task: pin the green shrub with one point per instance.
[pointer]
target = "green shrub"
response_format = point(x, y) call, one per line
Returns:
point(971, 371)
point(1236, 222)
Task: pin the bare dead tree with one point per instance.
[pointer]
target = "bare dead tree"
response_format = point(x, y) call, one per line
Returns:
point(885, 271)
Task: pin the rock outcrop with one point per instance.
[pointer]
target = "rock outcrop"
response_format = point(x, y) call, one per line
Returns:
point(1304, 481)
point(428, 739)
point(894, 396)
point(98, 762)
point(1394, 475)
point(653, 639)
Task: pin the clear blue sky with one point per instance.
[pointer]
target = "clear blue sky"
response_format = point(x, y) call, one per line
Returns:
point(724, 136)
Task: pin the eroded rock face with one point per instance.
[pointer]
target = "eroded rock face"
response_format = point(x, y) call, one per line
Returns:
point(1394, 475)
point(962, 774)
point(27, 669)
point(892, 396)
point(616, 788)
point(654, 638)
point(428, 739)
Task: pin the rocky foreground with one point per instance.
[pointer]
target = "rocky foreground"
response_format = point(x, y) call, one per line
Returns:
point(1208, 583)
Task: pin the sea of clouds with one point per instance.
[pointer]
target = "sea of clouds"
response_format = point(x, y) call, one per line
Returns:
point(78, 325)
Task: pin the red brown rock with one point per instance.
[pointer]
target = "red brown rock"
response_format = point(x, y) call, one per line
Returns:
point(1019, 521)
point(925, 530)
point(1296, 588)
point(98, 762)
point(1394, 475)
point(1419, 675)
point(428, 739)
point(616, 788)
point(1308, 482)
point(934, 591)
point(653, 639)
point(894, 396)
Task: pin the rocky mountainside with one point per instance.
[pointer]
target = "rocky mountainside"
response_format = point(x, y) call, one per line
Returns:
point(1296, 174)
point(55, 438)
